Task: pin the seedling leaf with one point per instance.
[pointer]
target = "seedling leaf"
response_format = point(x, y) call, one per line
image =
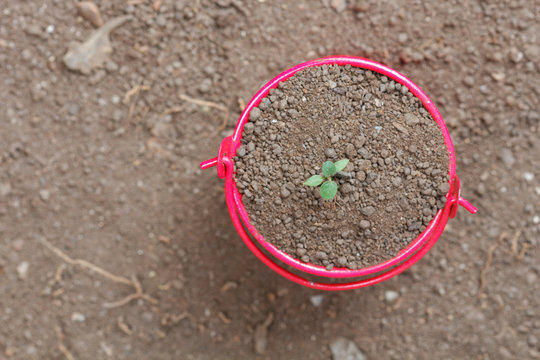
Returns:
point(328, 190)
point(329, 169)
point(315, 180)
point(341, 164)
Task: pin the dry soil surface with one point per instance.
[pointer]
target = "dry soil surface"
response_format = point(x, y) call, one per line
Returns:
point(102, 168)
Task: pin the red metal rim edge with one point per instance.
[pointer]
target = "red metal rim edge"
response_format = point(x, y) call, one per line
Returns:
point(369, 65)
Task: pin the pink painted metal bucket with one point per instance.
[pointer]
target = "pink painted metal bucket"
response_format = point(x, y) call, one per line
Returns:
point(365, 276)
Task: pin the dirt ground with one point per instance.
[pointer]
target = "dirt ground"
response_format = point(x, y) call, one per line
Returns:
point(104, 168)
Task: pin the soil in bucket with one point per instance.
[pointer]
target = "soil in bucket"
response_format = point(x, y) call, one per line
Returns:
point(395, 182)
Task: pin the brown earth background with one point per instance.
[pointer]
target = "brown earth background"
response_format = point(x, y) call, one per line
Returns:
point(103, 167)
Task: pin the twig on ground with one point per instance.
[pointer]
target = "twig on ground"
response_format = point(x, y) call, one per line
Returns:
point(514, 243)
point(203, 102)
point(63, 349)
point(210, 104)
point(84, 264)
point(174, 109)
point(135, 91)
point(131, 110)
point(57, 292)
point(241, 104)
point(519, 254)
point(522, 252)
point(139, 294)
point(58, 274)
point(171, 320)
point(224, 318)
point(483, 274)
point(123, 326)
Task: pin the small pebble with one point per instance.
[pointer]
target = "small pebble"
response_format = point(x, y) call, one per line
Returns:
point(344, 175)
point(344, 349)
point(316, 300)
point(528, 176)
point(331, 153)
point(444, 188)
point(364, 224)
point(241, 152)
point(248, 128)
point(390, 296)
point(350, 150)
point(414, 226)
point(44, 194)
point(507, 157)
point(411, 119)
point(469, 81)
point(76, 316)
point(347, 188)
point(360, 141)
point(364, 153)
point(368, 210)
point(515, 55)
point(254, 114)
point(22, 270)
point(402, 38)
point(338, 5)
point(205, 86)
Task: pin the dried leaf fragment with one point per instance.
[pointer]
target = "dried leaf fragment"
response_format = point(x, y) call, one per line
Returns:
point(93, 52)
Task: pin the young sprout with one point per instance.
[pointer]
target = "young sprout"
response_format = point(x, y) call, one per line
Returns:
point(328, 187)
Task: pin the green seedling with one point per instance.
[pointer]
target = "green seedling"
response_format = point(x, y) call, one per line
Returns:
point(328, 187)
